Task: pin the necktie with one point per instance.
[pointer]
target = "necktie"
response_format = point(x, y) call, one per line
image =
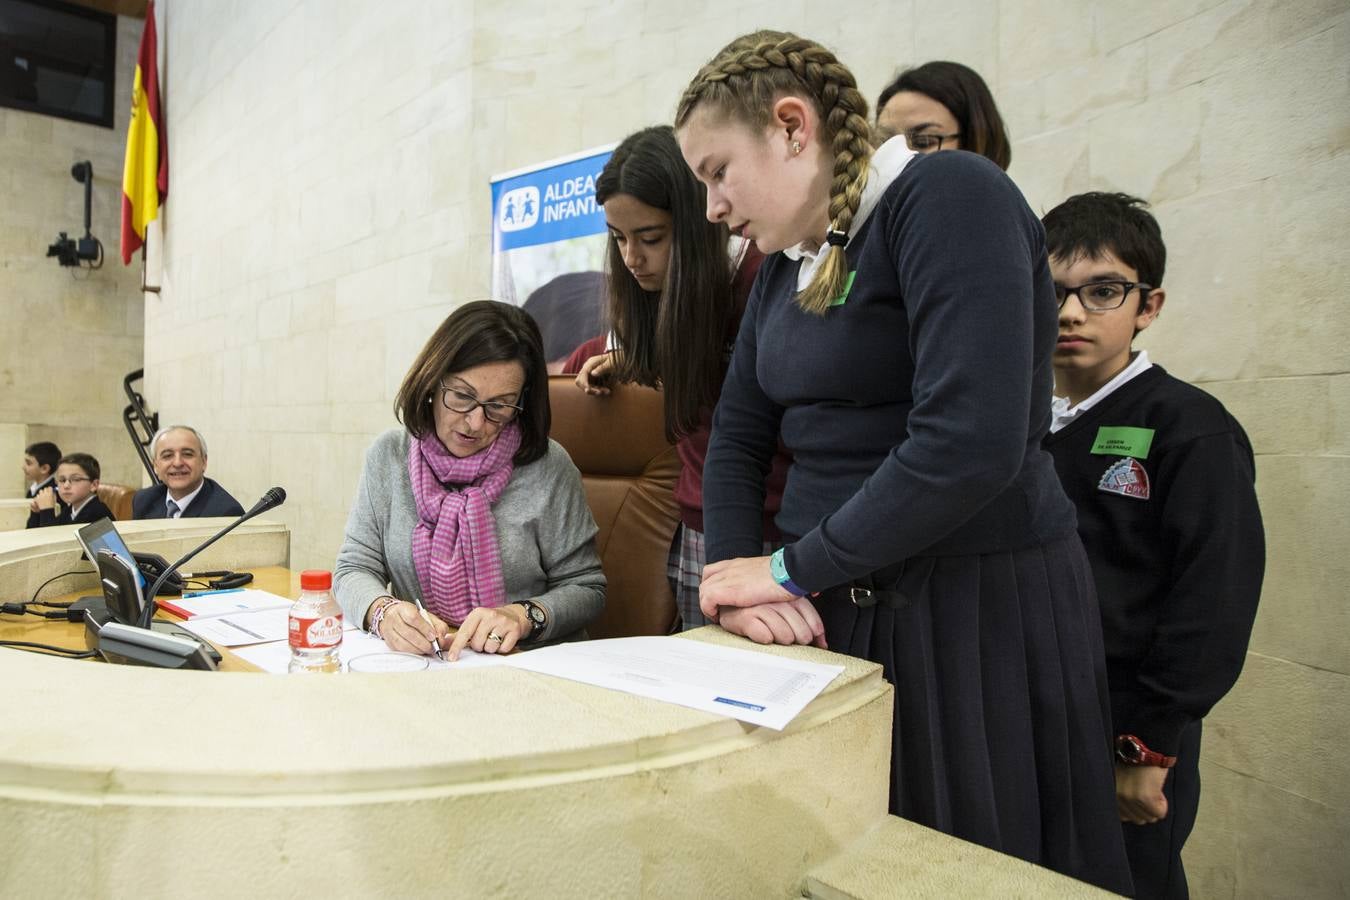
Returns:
point(174, 510)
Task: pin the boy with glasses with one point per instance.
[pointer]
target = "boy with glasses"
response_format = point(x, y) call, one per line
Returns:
point(1164, 482)
point(77, 483)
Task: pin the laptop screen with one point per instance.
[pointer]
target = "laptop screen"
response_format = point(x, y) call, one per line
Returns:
point(102, 535)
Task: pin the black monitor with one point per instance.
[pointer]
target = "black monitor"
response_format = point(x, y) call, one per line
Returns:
point(102, 535)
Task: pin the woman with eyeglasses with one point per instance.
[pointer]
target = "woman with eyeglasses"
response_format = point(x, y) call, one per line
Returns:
point(469, 508)
point(943, 106)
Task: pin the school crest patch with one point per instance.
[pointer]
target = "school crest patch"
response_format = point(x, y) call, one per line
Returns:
point(1125, 477)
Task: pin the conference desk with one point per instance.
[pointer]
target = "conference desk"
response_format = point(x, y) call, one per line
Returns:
point(124, 780)
point(61, 633)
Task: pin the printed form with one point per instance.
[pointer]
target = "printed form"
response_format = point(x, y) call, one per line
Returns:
point(758, 688)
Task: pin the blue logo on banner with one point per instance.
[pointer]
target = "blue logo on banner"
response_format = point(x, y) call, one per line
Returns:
point(547, 205)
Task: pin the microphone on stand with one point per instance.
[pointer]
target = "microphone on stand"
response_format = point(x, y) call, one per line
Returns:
point(270, 500)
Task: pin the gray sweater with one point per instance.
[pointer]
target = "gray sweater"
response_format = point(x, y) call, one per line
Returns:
point(545, 533)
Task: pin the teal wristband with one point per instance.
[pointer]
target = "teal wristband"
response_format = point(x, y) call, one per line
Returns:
point(778, 569)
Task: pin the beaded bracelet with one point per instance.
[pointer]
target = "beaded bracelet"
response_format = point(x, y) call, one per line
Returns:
point(378, 617)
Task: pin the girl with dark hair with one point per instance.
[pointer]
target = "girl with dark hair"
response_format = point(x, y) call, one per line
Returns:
point(944, 106)
point(470, 507)
point(924, 527)
point(675, 301)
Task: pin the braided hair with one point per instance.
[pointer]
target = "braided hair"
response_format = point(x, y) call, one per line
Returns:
point(745, 79)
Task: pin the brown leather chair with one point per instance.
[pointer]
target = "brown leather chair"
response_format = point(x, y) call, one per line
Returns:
point(117, 497)
point(629, 470)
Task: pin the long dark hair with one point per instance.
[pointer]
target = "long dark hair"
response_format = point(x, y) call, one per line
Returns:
point(674, 338)
point(966, 96)
point(483, 331)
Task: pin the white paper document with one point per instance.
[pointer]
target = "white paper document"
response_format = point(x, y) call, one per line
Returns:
point(276, 657)
point(220, 603)
point(754, 687)
point(237, 629)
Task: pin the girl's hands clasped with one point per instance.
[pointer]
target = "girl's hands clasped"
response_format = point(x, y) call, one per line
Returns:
point(743, 597)
point(490, 629)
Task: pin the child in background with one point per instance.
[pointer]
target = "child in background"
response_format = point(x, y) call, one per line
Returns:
point(77, 483)
point(1163, 479)
point(39, 470)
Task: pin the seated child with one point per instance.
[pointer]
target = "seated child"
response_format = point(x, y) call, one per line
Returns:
point(77, 482)
point(1164, 482)
point(39, 470)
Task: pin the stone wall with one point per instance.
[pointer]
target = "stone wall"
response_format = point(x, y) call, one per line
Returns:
point(330, 206)
point(70, 335)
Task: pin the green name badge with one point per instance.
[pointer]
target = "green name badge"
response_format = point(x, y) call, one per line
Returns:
point(848, 286)
point(1123, 440)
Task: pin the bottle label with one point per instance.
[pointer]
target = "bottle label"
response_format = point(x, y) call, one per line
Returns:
point(314, 634)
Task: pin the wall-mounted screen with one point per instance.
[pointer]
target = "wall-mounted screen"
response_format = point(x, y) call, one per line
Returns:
point(58, 59)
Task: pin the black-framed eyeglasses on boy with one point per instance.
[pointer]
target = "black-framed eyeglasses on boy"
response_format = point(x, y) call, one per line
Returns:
point(927, 143)
point(494, 411)
point(1100, 296)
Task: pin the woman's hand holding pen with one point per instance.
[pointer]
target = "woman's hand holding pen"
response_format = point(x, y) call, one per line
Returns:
point(404, 629)
point(490, 629)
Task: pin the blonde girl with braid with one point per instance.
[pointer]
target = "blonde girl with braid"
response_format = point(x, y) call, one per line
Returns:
point(899, 339)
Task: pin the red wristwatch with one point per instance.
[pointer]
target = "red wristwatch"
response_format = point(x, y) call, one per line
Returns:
point(1133, 752)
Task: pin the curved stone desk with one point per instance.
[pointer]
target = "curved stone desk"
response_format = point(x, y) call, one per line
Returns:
point(124, 781)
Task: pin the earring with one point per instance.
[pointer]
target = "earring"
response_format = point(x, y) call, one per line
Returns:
point(796, 147)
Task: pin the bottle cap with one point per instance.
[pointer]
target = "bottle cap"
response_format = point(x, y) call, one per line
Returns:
point(316, 580)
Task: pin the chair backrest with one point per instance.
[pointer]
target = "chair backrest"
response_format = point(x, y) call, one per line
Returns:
point(117, 497)
point(629, 470)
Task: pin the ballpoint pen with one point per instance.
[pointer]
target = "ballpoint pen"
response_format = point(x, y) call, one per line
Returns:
point(426, 618)
point(213, 593)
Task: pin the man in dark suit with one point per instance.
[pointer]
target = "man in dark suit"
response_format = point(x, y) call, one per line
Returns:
point(184, 491)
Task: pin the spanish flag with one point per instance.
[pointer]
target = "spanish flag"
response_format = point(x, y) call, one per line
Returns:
point(145, 175)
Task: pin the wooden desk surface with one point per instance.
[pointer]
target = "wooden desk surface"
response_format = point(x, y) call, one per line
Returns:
point(59, 633)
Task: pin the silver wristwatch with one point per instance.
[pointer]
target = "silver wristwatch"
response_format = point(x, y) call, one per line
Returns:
point(537, 617)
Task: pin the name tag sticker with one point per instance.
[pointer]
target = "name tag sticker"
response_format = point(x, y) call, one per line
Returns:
point(1123, 440)
point(848, 286)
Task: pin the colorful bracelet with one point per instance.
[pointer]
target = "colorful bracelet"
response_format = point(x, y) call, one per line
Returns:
point(378, 617)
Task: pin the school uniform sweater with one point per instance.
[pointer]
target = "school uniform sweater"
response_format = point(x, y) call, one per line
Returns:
point(914, 409)
point(1177, 547)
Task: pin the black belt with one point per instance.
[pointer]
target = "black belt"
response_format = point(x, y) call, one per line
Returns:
point(864, 597)
point(892, 587)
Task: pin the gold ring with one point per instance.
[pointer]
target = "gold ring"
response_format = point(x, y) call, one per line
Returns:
point(494, 636)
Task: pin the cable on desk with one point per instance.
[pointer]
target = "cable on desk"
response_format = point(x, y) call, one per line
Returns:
point(49, 649)
point(20, 609)
point(50, 580)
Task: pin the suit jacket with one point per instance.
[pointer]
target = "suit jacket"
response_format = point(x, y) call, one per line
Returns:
point(214, 500)
point(92, 512)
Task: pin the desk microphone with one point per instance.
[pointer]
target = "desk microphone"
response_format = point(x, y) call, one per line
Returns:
point(270, 500)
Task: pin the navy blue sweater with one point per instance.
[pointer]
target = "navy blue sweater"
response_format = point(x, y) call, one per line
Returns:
point(914, 410)
point(1178, 568)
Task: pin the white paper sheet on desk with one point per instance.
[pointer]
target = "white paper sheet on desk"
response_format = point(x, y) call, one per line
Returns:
point(276, 657)
point(223, 603)
point(238, 629)
point(754, 687)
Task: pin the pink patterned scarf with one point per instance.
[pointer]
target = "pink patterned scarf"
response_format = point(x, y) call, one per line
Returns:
point(454, 545)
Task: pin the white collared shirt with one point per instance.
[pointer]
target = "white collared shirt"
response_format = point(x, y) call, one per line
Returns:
point(886, 164)
point(75, 510)
point(182, 504)
point(1064, 413)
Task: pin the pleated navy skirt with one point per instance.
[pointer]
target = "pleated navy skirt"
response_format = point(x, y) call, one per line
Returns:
point(1002, 716)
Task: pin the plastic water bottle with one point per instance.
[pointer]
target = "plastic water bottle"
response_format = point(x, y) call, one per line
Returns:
point(316, 625)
